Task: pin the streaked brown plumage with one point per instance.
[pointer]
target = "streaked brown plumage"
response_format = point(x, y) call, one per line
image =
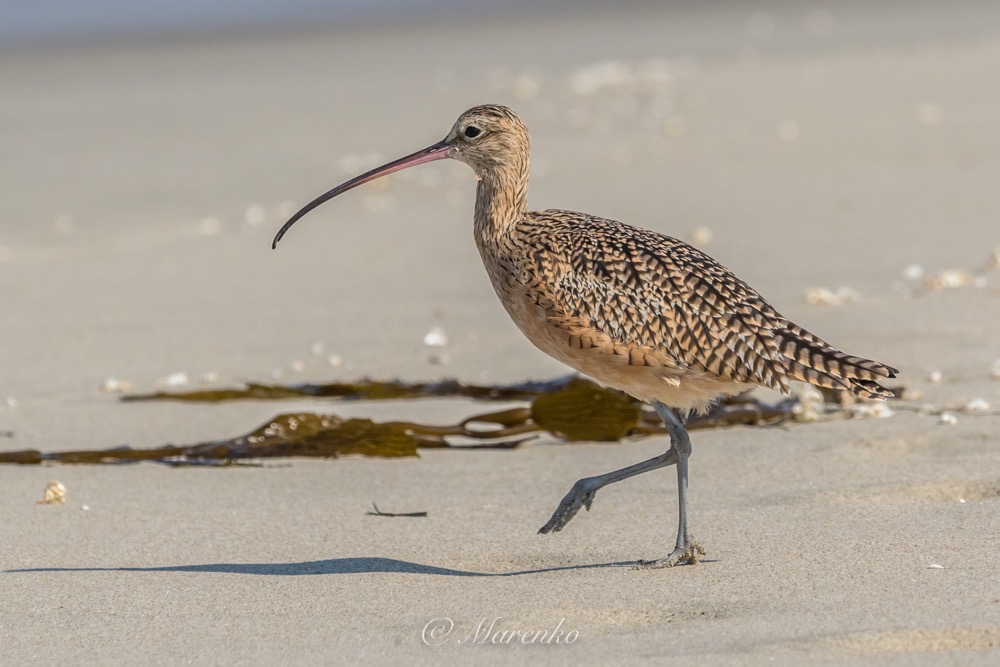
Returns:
point(634, 309)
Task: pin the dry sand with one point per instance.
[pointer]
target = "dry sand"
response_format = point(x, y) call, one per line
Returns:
point(139, 189)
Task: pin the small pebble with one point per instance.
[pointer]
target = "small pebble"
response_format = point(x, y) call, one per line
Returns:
point(809, 407)
point(173, 380)
point(85, 508)
point(934, 377)
point(209, 377)
point(435, 337)
point(116, 386)
point(335, 360)
point(950, 280)
point(317, 349)
point(948, 419)
point(297, 365)
point(55, 494)
point(872, 410)
point(935, 566)
point(438, 358)
point(977, 405)
point(822, 296)
point(913, 272)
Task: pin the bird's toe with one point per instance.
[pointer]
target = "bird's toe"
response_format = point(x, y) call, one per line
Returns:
point(580, 496)
point(689, 555)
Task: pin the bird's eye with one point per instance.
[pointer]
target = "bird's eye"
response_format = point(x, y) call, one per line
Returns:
point(472, 132)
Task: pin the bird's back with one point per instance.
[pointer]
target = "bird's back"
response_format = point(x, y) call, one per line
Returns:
point(656, 317)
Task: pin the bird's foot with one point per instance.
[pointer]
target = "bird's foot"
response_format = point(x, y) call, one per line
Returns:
point(581, 495)
point(679, 556)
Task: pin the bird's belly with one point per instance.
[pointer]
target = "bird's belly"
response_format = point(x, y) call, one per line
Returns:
point(611, 365)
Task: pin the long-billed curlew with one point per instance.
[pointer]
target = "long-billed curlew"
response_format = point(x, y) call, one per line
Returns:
point(631, 308)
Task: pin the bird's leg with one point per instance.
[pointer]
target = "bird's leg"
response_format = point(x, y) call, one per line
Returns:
point(686, 550)
point(582, 493)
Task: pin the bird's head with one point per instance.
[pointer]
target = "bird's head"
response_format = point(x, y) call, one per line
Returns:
point(489, 138)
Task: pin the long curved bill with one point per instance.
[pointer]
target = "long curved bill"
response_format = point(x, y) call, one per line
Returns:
point(437, 151)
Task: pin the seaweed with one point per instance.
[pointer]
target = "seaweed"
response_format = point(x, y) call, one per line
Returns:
point(571, 409)
point(365, 389)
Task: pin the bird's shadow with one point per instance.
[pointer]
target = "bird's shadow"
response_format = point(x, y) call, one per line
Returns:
point(356, 565)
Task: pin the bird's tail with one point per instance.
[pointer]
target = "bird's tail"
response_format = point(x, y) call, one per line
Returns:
point(810, 359)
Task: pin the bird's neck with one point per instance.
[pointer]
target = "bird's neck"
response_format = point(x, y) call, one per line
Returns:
point(501, 200)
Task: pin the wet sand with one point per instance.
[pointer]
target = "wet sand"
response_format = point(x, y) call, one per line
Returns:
point(140, 189)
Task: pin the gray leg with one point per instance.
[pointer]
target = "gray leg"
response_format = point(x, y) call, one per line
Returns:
point(685, 550)
point(582, 493)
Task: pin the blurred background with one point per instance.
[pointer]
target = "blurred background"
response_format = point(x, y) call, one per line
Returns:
point(151, 150)
point(55, 20)
point(841, 157)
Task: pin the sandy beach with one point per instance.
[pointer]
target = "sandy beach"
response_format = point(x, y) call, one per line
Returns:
point(141, 184)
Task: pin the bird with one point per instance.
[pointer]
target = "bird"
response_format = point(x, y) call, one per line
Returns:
point(633, 309)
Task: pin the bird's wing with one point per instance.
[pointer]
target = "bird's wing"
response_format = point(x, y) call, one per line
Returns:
point(635, 289)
